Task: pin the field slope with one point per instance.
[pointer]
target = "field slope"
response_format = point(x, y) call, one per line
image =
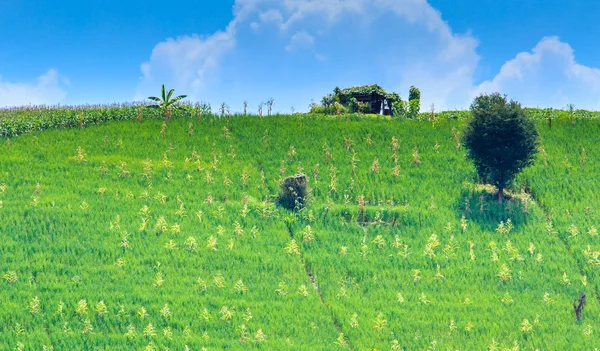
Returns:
point(152, 236)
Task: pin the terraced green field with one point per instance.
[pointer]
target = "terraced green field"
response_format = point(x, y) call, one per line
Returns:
point(156, 236)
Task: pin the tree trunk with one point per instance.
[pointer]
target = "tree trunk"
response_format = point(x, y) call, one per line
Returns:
point(500, 194)
point(168, 114)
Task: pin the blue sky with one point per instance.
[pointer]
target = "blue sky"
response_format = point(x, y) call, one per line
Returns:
point(540, 53)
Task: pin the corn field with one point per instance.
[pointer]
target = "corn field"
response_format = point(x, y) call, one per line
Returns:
point(130, 233)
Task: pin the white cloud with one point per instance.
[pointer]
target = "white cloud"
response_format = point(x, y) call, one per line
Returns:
point(548, 76)
point(271, 16)
point(394, 43)
point(421, 50)
point(408, 44)
point(300, 40)
point(186, 62)
point(47, 89)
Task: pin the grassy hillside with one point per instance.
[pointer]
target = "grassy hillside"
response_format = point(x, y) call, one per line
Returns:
point(152, 236)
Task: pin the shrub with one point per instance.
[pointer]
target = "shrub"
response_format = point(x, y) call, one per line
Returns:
point(328, 100)
point(353, 105)
point(414, 106)
point(500, 138)
point(338, 109)
point(400, 108)
point(364, 107)
point(333, 109)
point(293, 192)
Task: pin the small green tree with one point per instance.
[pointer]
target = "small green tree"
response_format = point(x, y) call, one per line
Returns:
point(166, 101)
point(500, 139)
point(414, 102)
point(414, 93)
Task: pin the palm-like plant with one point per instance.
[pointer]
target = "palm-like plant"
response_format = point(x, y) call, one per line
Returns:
point(166, 101)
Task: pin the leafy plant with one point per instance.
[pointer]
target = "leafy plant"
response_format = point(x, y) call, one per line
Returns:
point(400, 108)
point(166, 101)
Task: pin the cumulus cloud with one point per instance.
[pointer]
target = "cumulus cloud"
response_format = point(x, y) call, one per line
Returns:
point(297, 50)
point(271, 16)
point(394, 43)
point(47, 89)
point(186, 62)
point(548, 76)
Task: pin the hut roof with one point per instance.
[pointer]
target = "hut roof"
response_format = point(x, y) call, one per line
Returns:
point(370, 89)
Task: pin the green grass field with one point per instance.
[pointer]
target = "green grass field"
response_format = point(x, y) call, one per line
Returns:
point(152, 236)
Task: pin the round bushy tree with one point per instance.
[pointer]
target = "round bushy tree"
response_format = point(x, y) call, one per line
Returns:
point(500, 139)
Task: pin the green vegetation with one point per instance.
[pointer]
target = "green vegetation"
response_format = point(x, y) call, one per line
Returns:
point(414, 102)
point(129, 236)
point(166, 101)
point(500, 139)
